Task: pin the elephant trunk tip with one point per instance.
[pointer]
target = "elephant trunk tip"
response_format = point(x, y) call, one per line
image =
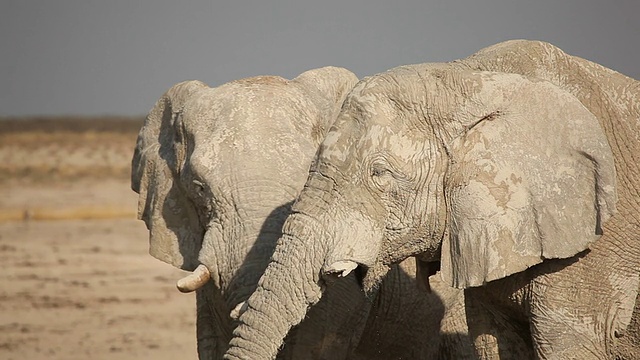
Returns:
point(195, 280)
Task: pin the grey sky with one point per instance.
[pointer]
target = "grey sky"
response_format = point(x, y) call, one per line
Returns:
point(90, 57)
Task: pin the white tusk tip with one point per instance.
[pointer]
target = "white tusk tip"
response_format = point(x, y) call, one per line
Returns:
point(341, 268)
point(239, 310)
point(195, 280)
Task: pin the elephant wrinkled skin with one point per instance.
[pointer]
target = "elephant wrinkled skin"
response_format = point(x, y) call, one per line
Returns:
point(217, 170)
point(516, 168)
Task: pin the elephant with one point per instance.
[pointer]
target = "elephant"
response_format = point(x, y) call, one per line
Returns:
point(217, 169)
point(515, 171)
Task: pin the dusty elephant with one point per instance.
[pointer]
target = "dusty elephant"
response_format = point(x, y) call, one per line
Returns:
point(615, 101)
point(508, 180)
point(217, 170)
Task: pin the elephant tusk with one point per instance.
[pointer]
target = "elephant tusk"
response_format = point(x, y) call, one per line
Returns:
point(195, 280)
point(341, 268)
point(239, 310)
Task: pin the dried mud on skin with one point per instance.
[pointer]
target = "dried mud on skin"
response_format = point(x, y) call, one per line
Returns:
point(77, 281)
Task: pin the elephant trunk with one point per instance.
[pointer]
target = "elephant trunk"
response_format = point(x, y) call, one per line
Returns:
point(291, 281)
point(314, 246)
point(288, 287)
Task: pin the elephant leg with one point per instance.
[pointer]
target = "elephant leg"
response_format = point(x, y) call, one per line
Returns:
point(205, 331)
point(555, 337)
point(580, 309)
point(566, 332)
point(496, 332)
point(628, 343)
point(212, 341)
point(564, 322)
point(455, 343)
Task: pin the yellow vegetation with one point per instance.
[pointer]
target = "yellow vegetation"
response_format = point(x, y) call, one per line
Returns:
point(78, 213)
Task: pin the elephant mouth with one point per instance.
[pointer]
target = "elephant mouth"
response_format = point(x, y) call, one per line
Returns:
point(342, 269)
point(370, 278)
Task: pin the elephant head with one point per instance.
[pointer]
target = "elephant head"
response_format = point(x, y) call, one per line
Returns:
point(217, 169)
point(488, 173)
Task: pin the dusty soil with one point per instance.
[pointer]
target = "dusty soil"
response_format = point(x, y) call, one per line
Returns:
point(77, 281)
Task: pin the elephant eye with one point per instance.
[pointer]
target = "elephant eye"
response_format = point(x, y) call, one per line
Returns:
point(202, 201)
point(199, 189)
point(384, 176)
point(198, 193)
point(381, 176)
point(378, 172)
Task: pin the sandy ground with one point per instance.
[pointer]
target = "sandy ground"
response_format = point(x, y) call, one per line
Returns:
point(77, 281)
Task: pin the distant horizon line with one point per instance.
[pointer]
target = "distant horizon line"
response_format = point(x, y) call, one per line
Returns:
point(69, 117)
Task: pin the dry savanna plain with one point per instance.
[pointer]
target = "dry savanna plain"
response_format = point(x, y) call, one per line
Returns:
point(76, 280)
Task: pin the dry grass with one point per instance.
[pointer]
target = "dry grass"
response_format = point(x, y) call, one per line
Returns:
point(129, 125)
point(76, 213)
point(66, 159)
point(62, 149)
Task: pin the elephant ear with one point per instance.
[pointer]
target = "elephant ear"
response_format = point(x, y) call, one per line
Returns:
point(530, 181)
point(170, 218)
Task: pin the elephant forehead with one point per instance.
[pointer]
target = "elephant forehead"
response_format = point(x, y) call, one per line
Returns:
point(228, 152)
point(331, 150)
point(251, 123)
point(369, 127)
point(400, 144)
point(338, 145)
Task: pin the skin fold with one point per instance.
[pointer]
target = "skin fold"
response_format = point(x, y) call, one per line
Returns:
point(515, 169)
point(217, 170)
